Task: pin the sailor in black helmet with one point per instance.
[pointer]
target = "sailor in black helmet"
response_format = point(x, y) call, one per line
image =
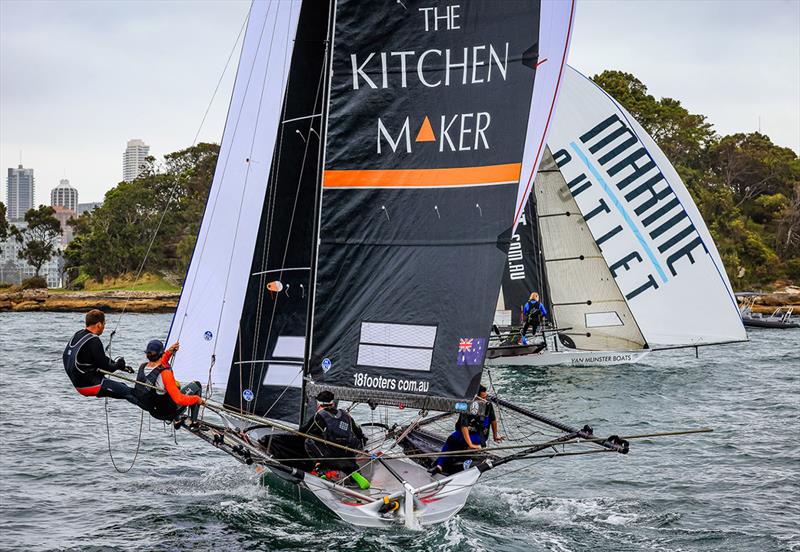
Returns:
point(336, 426)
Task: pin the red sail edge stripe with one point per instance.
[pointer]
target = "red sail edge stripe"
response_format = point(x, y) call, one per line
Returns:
point(549, 115)
point(423, 178)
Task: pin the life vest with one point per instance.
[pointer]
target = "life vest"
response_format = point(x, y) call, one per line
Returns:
point(159, 405)
point(81, 375)
point(475, 423)
point(339, 428)
point(534, 310)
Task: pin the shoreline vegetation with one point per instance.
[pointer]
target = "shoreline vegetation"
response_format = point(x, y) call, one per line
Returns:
point(165, 301)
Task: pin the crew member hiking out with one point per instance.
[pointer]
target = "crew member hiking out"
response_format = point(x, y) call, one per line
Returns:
point(472, 433)
point(157, 390)
point(533, 312)
point(84, 357)
point(336, 426)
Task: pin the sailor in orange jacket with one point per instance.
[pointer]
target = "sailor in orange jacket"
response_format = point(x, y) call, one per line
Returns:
point(157, 389)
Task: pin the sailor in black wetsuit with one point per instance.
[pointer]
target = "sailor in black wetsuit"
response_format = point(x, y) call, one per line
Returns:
point(334, 425)
point(84, 356)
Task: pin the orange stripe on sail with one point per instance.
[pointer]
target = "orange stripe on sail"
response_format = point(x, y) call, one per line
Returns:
point(423, 178)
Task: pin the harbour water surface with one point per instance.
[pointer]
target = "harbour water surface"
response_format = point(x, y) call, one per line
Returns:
point(734, 489)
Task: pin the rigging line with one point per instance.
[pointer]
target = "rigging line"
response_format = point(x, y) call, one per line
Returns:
point(272, 186)
point(223, 409)
point(108, 435)
point(271, 202)
point(227, 159)
point(285, 389)
point(219, 82)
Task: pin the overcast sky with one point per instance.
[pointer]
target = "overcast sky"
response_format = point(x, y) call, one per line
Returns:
point(78, 79)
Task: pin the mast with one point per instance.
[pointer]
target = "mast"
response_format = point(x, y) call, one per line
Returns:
point(317, 203)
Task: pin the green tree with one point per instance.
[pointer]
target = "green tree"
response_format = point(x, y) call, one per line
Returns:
point(3, 222)
point(167, 197)
point(681, 135)
point(38, 239)
point(751, 165)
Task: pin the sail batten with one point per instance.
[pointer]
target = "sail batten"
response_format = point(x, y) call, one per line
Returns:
point(583, 292)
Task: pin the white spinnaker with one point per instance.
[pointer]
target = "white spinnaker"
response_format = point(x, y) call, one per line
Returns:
point(555, 32)
point(663, 257)
point(584, 296)
point(207, 318)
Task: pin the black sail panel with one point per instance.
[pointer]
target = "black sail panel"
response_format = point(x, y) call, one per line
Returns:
point(266, 375)
point(524, 272)
point(427, 122)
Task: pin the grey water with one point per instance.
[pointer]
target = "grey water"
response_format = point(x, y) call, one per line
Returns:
point(733, 489)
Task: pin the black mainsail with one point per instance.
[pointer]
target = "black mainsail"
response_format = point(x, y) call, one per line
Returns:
point(426, 133)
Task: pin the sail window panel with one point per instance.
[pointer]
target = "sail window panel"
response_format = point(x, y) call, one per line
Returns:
point(284, 375)
point(290, 347)
point(401, 358)
point(608, 338)
point(602, 319)
point(408, 335)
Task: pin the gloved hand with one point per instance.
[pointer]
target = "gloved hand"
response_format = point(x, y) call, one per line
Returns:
point(119, 364)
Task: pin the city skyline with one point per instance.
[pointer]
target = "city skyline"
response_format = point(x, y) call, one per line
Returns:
point(737, 63)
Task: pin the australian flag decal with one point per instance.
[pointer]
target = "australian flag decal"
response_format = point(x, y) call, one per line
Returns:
point(471, 351)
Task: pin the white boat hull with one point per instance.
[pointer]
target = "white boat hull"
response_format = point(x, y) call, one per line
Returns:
point(571, 358)
point(419, 504)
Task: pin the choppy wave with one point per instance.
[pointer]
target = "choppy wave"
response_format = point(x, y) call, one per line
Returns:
point(734, 489)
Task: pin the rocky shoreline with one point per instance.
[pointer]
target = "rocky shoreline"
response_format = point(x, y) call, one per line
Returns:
point(160, 302)
point(69, 301)
point(786, 297)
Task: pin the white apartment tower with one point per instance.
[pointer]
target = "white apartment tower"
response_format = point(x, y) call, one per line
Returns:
point(133, 159)
point(19, 193)
point(64, 195)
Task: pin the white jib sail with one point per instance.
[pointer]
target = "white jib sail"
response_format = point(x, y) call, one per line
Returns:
point(551, 65)
point(584, 296)
point(652, 236)
point(207, 318)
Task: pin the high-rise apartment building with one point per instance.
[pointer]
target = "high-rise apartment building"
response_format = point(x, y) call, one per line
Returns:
point(133, 159)
point(19, 192)
point(64, 195)
point(87, 207)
